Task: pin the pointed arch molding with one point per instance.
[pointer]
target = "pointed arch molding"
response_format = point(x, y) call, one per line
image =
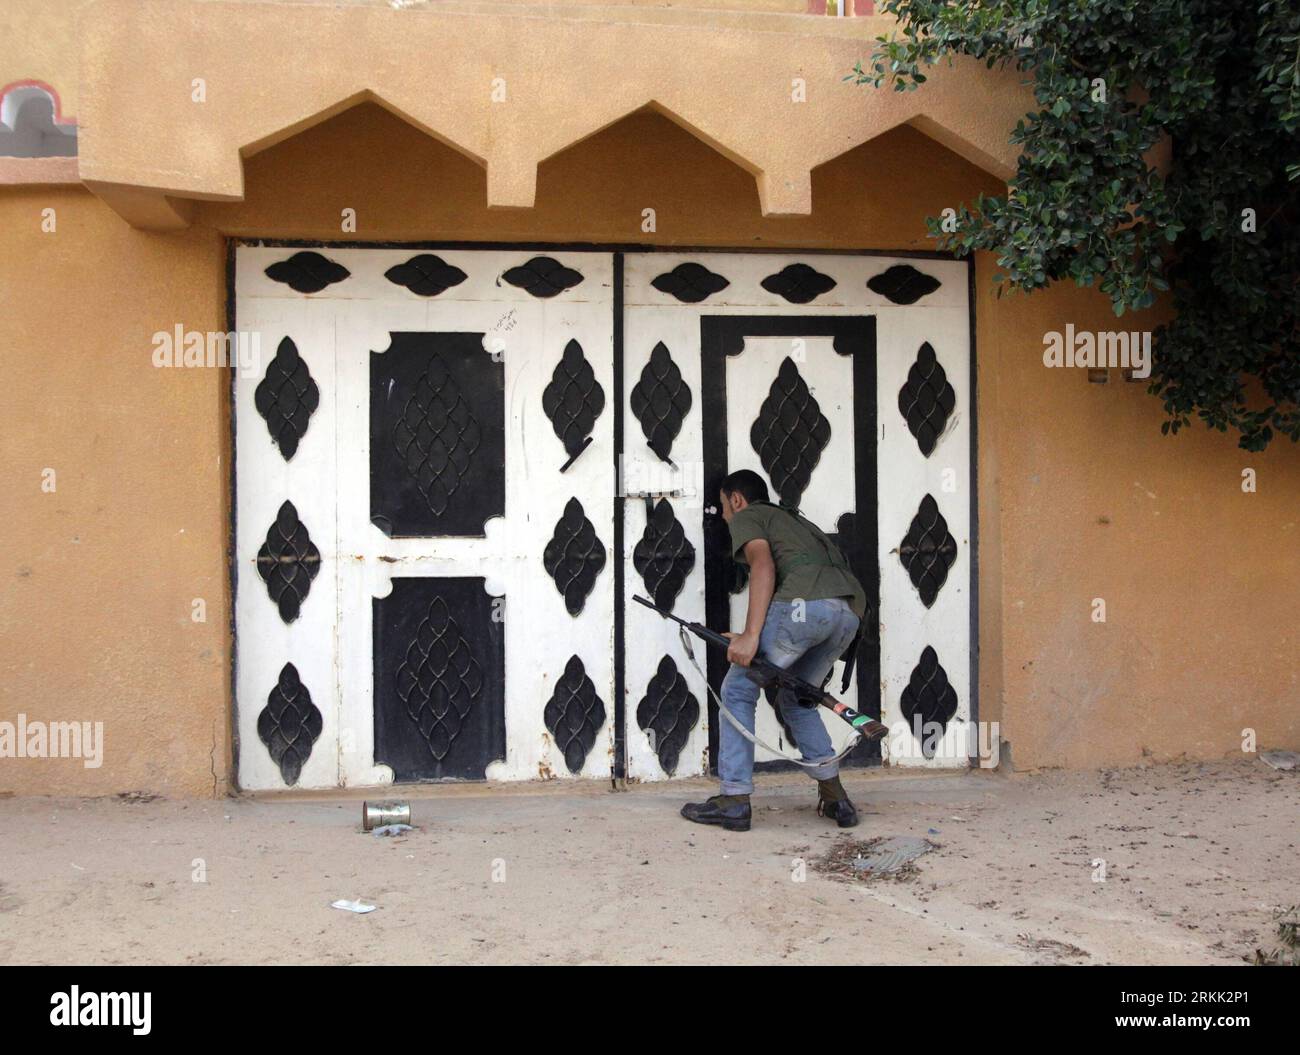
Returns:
point(767, 92)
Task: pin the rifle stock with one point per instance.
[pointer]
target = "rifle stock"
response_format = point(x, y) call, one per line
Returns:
point(805, 693)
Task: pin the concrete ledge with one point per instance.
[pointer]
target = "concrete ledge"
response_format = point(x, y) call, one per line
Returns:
point(20, 171)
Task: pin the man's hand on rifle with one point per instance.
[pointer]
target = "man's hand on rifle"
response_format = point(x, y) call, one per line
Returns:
point(742, 649)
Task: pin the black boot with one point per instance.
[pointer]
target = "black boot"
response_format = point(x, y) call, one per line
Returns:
point(730, 811)
point(833, 802)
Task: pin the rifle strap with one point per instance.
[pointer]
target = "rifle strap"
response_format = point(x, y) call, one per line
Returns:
point(735, 722)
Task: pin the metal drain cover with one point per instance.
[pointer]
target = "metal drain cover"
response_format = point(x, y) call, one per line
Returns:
point(892, 854)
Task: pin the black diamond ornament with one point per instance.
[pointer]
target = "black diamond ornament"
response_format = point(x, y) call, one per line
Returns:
point(307, 272)
point(287, 562)
point(664, 556)
point(287, 397)
point(661, 400)
point(928, 551)
point(426, 275)
point(573, 401)
point(669, 712)
point(789, 434)
point(928, 698)
point(574, 557)
point(926, 399)
point(574, 714)
point(289, 724)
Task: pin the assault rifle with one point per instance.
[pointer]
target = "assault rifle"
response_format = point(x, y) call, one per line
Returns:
point(804, 693)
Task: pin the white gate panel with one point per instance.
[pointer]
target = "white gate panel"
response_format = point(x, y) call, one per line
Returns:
point(907, 477)
point(269, 640)
point(683, 751)
point(911, 301)
point(540, 635)
point(527, 335)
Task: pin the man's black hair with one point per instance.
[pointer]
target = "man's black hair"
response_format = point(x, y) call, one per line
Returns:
point(748, 483)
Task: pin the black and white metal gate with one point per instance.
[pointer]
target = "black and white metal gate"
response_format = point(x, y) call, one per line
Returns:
point(454, 466)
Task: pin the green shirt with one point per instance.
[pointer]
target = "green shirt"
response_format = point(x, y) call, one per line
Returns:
point(809, 566)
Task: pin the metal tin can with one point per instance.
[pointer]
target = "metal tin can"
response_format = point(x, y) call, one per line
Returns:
point(377, 814)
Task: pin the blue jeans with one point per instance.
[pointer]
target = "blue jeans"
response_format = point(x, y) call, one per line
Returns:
point(808, 649)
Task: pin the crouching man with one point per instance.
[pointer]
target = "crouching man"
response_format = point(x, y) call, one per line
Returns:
point(805, 607)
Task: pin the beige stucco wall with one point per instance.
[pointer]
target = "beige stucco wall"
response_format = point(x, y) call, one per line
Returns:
point(1199, 578)
point(100, 574)
point(40, 43)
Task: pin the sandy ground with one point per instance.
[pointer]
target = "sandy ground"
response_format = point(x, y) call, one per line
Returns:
point(1197, 858)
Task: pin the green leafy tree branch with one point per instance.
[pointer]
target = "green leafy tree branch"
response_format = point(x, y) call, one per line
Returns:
point(1112, 79)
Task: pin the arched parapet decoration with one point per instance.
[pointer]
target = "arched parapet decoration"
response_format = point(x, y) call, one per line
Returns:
point(32, 122)
point(38, 141)
point(766, 90)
